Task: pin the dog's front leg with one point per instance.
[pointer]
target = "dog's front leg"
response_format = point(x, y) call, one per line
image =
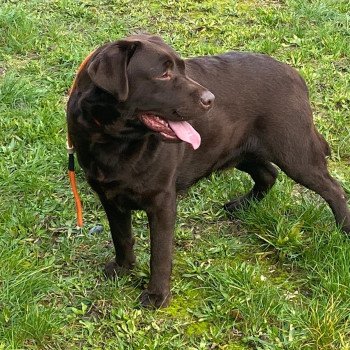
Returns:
point(161, 217)
point(123, 241)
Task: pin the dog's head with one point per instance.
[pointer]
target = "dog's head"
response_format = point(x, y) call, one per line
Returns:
point(148, 78)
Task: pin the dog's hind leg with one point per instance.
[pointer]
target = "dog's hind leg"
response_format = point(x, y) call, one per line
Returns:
point(306, 164)
point(264, 175)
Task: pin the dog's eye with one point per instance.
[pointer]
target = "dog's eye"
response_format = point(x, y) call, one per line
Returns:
point(166, 75)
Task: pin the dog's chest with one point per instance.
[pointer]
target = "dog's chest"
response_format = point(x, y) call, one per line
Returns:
point(129, 178)
point(117, 177)
point(127, 189)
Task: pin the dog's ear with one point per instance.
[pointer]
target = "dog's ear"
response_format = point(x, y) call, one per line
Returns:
point(108, 68)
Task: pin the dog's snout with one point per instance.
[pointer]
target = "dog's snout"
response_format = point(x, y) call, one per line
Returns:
point(207, 99)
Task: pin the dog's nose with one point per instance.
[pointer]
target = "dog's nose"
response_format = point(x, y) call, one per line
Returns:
point(207, 99)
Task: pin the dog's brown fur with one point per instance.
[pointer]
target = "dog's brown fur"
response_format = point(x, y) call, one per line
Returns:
point(261, 115)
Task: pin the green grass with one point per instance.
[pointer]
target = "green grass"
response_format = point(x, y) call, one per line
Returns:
point(276, 277)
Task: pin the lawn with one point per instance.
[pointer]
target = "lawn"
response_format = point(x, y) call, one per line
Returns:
point(275, 277)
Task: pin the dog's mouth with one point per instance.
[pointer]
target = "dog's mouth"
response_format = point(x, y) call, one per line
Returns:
point(172, 130)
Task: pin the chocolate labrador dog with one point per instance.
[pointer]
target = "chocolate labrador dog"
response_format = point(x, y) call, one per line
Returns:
point(146, 124)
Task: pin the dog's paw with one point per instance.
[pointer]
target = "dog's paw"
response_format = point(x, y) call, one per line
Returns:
point(113, 270)
point(155, 300)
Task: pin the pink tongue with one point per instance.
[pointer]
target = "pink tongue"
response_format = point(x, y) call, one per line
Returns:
point(185, 132)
